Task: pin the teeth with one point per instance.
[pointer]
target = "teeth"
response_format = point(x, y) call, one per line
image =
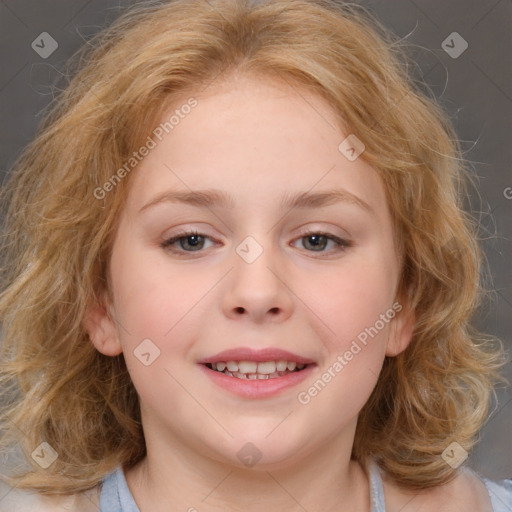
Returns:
point(281, 366)
point(247, 366)
point(232, 366)
point(267, 367)
point(253, 370)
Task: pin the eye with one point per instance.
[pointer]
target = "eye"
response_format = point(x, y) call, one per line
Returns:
point(188, 241)
point(317, 241)
point(193, 241)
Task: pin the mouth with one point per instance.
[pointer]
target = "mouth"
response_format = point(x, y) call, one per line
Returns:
point(254, 370)
point(257, 373)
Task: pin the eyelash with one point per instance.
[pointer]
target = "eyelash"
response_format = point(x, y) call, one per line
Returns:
point(167, 244)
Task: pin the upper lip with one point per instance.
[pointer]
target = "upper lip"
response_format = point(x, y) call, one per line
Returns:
point(257, 355)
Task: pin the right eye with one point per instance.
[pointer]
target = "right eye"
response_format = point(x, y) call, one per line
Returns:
point(189, 241)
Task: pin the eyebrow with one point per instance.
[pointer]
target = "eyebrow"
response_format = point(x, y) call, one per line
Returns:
point(212, 198)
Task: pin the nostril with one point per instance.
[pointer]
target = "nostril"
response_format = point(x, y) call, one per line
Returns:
point(239, 309)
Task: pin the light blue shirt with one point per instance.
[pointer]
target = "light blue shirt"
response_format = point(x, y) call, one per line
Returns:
point(116, 496)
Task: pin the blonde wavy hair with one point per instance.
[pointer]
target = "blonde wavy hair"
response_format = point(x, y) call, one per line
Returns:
point(56, 387)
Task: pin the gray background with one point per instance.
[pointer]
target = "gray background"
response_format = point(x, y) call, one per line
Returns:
point(475, 88)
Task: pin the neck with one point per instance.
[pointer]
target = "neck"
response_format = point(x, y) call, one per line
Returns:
point(174, 476)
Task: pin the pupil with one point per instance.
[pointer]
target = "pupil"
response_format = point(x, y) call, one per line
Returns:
point(195, 241)
point(316, 243)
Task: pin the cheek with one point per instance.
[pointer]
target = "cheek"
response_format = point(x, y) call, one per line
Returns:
point(353, 300)
point(164, 305)
point(357, 307)
point(148, 301)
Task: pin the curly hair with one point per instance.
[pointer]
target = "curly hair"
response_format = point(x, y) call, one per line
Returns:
point(56, 387)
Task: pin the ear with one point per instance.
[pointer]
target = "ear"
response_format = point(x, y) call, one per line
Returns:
point(401, 329)
point(102, 329)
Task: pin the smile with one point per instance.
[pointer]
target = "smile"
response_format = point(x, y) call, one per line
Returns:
point(252, 370)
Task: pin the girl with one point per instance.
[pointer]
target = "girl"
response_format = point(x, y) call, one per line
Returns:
point(238, 277)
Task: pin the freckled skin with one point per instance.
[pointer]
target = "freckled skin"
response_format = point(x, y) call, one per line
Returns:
point(256, 140)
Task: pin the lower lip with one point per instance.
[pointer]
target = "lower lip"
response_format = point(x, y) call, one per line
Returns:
point(258, 388)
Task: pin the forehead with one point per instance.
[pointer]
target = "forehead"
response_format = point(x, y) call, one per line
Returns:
point(257, 139)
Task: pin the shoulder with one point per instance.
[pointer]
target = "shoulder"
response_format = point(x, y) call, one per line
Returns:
point(467, 491)
point(500, 493)
point(17, 500)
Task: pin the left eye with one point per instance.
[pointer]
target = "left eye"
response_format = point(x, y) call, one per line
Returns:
point(319, 240)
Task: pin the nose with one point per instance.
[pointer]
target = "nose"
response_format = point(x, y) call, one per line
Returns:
point(258, 290)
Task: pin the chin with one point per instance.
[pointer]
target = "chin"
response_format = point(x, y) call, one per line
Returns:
point(261, 454)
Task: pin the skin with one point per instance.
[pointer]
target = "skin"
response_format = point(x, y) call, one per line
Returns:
point(257, 140)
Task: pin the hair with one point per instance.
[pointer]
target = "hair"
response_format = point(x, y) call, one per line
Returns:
point(56, 387)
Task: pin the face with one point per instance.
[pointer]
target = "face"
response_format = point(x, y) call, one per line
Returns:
point(247, 229)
